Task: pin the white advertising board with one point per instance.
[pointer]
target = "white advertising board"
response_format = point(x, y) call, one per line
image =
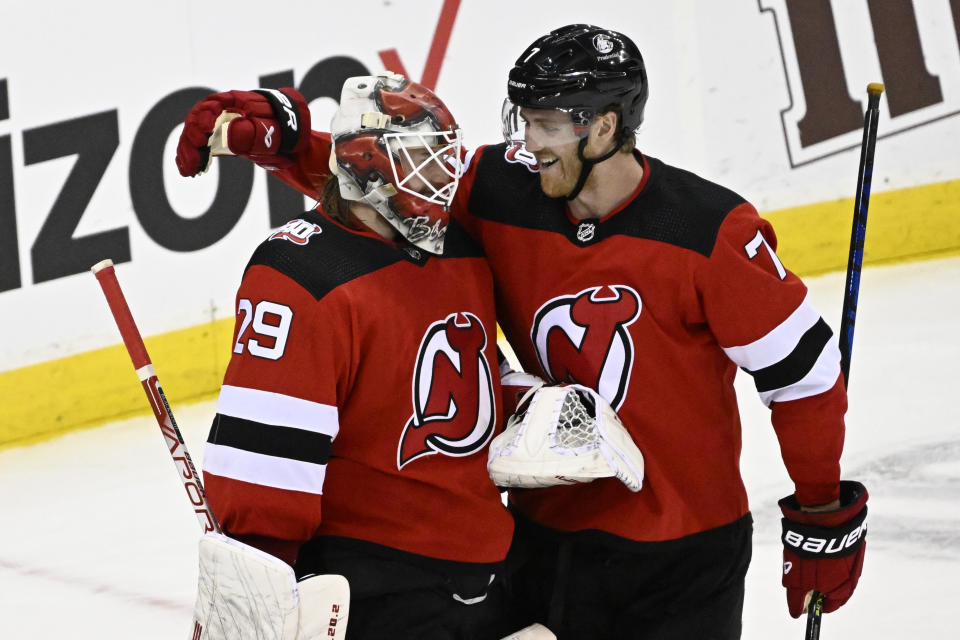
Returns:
point(764, 97)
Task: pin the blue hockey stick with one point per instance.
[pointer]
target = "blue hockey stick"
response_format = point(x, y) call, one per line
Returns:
point(852, 289)
point(858, 233)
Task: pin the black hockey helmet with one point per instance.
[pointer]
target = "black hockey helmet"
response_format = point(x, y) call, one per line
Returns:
point(584, 70)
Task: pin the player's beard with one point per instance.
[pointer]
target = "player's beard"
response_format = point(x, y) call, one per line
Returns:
point(559, 179)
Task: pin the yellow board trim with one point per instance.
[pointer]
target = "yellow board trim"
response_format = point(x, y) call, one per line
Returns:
point(907, 224)
point(51, 398)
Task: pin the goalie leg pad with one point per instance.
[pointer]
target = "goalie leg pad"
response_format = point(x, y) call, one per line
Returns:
point(324, 607)
point(246, 593)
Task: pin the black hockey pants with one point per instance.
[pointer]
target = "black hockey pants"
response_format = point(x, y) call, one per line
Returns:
point(599, 586)
point(399, 595)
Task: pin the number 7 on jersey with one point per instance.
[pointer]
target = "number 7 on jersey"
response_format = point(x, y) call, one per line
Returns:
point(753, 247)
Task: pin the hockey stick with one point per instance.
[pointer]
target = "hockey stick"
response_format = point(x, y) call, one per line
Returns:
point(324, 599)
point(859, 230)
point(852, 288)
point(107, 278)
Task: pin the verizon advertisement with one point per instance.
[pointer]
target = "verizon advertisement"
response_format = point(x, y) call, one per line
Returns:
point(764, 97)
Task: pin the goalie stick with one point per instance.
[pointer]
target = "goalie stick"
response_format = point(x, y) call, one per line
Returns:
point(107, 277)
point(323, 600)
point(852, 287)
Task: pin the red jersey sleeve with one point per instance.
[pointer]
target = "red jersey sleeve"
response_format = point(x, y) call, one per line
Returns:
point(310, 168)
point(461, 200)
point(277, 414)
point(760, 315)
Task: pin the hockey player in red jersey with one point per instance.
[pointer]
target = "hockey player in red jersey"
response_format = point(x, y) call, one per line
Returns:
point(651, 286)
point(352, 425)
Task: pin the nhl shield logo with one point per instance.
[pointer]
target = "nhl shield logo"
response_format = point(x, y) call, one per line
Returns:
point(586, 231)
point(602, 43)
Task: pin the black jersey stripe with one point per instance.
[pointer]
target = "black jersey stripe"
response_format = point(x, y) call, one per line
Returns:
point(270, 440)
point(336, 256)
point(675, 207)
point(798, 364)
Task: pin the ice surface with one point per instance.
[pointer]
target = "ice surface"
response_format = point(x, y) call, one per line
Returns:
point(97, 539)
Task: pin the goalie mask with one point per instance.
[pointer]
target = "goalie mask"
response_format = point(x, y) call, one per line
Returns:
point(396, 148)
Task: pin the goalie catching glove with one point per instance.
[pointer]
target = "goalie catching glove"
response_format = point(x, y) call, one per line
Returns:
point(564, 435)
point(246, 593)
point(264, 126)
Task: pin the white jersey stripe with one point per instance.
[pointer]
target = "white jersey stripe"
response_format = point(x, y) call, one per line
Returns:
point(278, 409)
point(779, 343)
point(268, 471)
point(820, 378)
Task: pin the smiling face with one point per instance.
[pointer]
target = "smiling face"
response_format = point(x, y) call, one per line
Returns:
point(551, 136)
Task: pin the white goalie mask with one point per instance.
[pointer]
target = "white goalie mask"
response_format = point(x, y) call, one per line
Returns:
point(396, 148)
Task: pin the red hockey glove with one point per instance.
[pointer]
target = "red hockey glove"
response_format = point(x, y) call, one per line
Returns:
point(269, 125)
point(823, 550)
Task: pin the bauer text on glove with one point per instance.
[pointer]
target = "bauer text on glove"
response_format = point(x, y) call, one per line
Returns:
point(823, 550)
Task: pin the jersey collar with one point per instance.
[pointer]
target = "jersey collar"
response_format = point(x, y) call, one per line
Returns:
point(623, 205)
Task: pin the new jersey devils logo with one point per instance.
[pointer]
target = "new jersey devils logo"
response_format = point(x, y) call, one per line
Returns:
point(454, 411)
point(517, 153)
point(583, 338)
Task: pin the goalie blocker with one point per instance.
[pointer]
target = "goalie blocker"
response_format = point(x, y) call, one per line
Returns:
point(564, 435)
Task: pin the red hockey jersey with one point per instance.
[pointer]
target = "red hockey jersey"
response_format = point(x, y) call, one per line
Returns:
point(361, 395)
point(655, 306)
